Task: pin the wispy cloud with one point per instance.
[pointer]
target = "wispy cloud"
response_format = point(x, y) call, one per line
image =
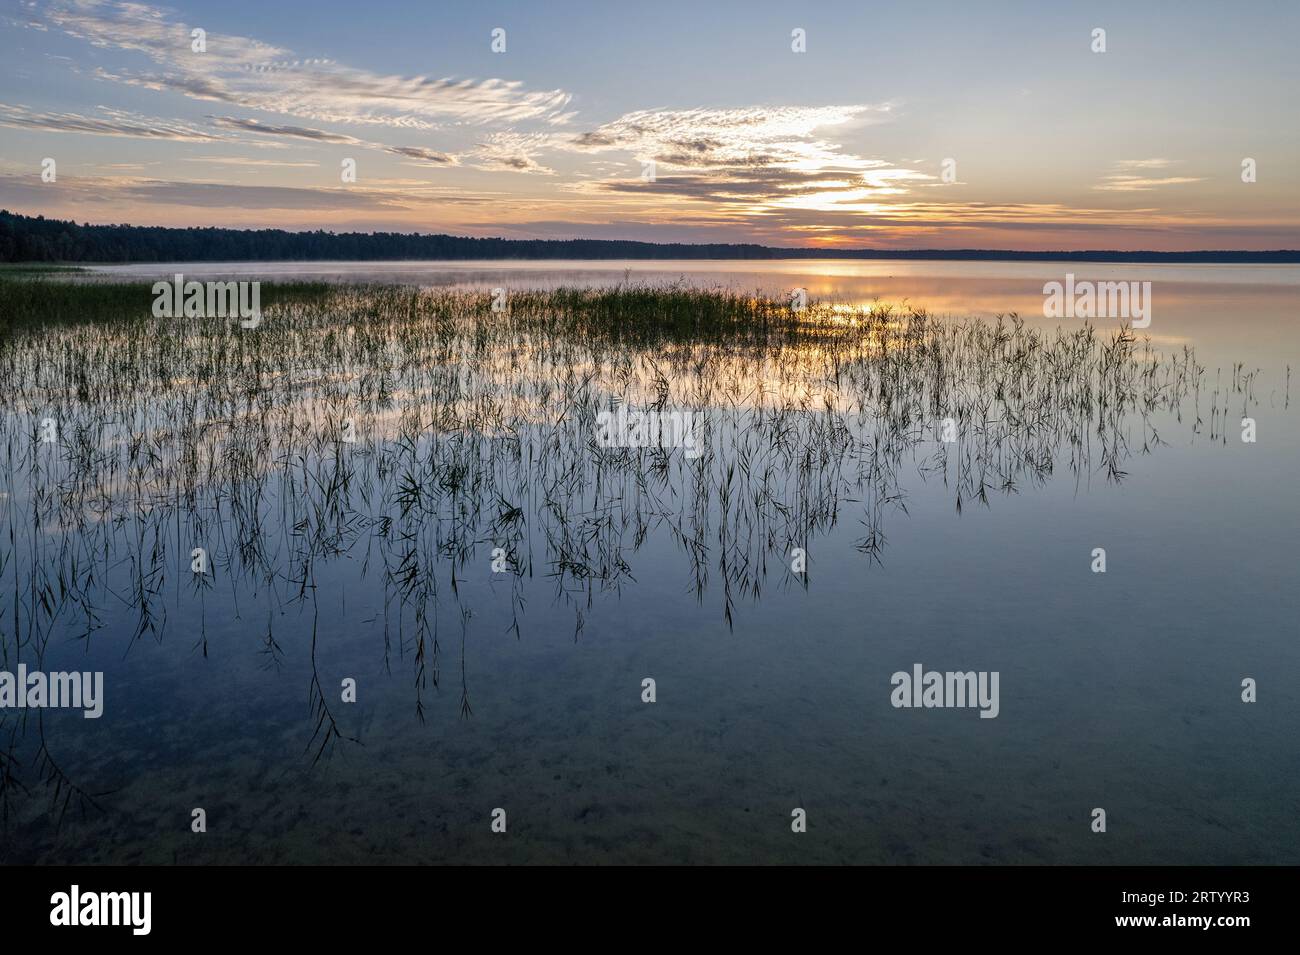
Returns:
point(744, 136)
point(514, 152)
point(1130, 179)
point(220, 195)
point(1145, 163)
point(109, 122)
point(422, 154)
point(249, 161)
point(755, 159)
point(429, 157)
point(295, 132)
point(120, 191)
point(247, 72)
point(394, 197)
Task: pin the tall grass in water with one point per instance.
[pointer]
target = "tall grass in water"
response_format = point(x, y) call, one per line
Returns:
point(40, 297)
point(476, 430)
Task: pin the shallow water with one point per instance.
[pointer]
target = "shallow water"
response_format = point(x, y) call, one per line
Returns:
point(1119, 690)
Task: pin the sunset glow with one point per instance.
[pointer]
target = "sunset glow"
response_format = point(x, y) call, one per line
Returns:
point(749, 141)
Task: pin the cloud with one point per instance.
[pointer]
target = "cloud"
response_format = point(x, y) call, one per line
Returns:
point(696, 138)
point(1127, 181)
point(194, 86)
point(214, 195)
point(297, 132)
point(73, 194)
point(111, 122)
point(256, 75)
point(121, 123)
point(117, 192)
point(1140, 184)
point(514, 152)
point(425, 156)
point(146, 29)
point(755, 159)
point(1145, 163)
point(422, 154)
point(247, 161)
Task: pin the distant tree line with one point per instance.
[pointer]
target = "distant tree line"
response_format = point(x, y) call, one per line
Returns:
point(38, 239)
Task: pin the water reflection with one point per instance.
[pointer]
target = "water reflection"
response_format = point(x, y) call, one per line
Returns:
point(402, 443)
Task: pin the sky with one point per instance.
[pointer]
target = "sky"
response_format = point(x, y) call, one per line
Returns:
point(898, 125)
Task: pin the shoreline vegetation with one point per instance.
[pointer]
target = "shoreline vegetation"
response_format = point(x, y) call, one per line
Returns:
point(38, 239)
point(33, 297)
point(635, 314)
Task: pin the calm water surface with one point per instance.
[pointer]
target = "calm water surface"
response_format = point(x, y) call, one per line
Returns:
point(1119, 690)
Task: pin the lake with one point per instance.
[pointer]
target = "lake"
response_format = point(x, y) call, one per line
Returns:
point(403, 488)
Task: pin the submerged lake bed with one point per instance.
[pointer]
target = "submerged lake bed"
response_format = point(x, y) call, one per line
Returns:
point(394, 482)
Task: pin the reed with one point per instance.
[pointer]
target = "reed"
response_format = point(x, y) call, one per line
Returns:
point(475, 431)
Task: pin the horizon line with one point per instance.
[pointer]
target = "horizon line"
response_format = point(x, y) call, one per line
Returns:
point(623, 246)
